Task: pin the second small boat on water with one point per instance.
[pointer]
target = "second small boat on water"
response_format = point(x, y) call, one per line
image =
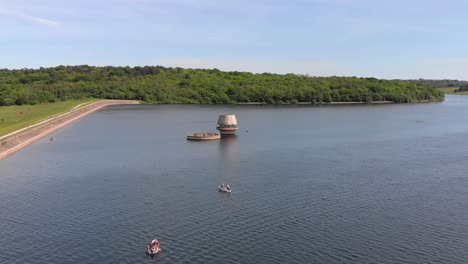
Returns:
point(153, 248)
point(224, 188)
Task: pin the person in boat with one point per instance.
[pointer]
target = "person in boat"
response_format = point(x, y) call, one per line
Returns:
point(228, 187)
point(153, 246)
point(221, 186)
point(156, 246)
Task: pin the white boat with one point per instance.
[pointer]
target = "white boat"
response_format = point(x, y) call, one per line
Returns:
point(153, 248)
point(224, 189)
point(203, 136)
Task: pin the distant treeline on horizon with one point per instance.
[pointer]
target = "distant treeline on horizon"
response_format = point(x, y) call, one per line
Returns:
point(439, 83)
point(157, 84)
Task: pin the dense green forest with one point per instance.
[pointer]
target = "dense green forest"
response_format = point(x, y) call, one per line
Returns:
point(196, 86)
point(439, 83)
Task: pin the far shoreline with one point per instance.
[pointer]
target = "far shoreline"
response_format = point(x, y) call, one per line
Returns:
point(323, 103)
point(339, 103)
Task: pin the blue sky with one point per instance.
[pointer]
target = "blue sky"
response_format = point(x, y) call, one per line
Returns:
point(384, 39)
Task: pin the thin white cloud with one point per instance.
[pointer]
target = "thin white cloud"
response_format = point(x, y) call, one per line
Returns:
point(26, 17)
point(38, 20)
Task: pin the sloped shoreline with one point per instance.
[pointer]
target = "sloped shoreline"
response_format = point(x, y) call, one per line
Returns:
point(17, 140)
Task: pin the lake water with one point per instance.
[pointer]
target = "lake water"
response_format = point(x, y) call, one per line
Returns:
point(330, 184)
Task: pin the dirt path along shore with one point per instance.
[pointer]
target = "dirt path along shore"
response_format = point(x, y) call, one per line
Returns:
point(15, 141)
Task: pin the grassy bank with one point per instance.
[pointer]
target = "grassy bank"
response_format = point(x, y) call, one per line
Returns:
point(451, 90)
point(16, 117)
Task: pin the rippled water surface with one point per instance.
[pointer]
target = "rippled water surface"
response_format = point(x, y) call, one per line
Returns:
point(341, 184)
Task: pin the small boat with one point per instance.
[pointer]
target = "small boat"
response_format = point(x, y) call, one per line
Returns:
point(225, 189)
point(203, 136)
point(153, 248)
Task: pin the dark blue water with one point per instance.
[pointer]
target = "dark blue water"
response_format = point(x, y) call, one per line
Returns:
point(335, 184)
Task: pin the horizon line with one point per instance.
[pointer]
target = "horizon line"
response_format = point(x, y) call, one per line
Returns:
point(208, 68)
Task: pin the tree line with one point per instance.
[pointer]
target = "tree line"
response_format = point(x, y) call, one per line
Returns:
point(162, 85)
point(439, 83)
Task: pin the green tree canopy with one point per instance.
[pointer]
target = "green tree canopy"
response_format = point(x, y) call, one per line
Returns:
point(156, 84)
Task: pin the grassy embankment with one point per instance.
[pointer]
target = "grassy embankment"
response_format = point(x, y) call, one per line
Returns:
point(16, 117)
point(451, 90)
